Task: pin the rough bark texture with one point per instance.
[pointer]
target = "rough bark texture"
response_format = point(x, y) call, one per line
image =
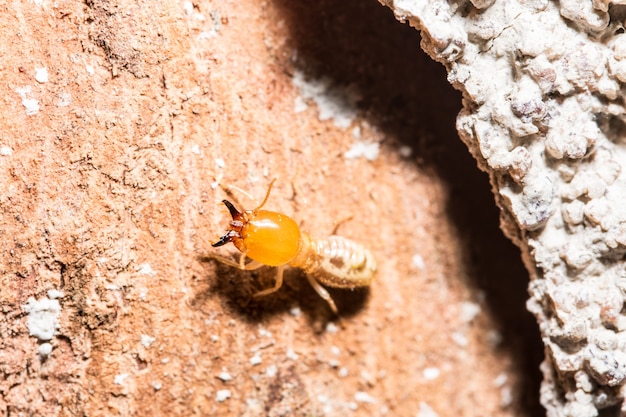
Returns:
point(544, 115)
point(121, 121)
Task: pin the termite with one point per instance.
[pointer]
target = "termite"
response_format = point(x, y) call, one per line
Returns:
point(269, 238)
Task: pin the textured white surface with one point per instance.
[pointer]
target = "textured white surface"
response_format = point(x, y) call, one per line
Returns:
point(544, 116)
point(43, 317)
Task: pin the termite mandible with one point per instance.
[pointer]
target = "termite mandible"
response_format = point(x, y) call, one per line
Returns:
point(274, 239)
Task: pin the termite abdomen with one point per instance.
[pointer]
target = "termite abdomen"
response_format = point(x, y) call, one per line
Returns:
point(342, 263)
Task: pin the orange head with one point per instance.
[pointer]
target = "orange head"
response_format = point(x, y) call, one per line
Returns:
point(265, 236)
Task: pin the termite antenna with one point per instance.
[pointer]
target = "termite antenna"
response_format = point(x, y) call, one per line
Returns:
point(229, 189)
point(267, 195)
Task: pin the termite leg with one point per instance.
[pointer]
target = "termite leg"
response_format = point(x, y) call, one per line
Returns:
point(294, 187)
point(250, 266)
point(322, 293)
point(340, 222)
point(277, 284)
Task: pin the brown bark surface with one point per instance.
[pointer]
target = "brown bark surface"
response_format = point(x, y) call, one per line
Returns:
point(110, 193)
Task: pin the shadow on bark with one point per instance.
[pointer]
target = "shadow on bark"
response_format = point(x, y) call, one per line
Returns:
point(237, 288)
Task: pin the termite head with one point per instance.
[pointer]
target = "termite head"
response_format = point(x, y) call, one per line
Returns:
point(265, 236)
point(236, 225)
